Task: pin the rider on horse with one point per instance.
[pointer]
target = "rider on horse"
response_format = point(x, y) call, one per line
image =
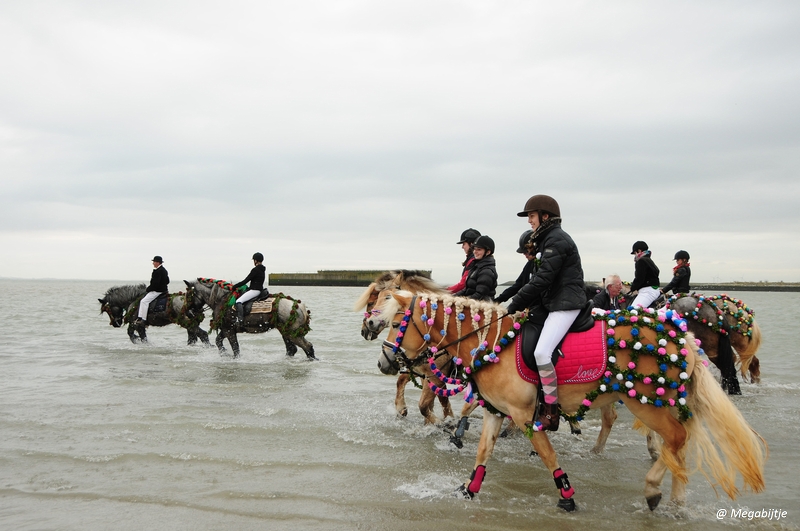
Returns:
point(256, 279)
point(159, 282)
point(556, 289)
point(681, 275)
point(466, 242)
point(645, 279)
point(481, 282)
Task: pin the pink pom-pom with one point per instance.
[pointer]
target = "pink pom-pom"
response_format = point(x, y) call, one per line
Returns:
point(430, 322)
point(632, 393)
point(587, 402)
point(634, 319)
point(498, 348)
point(660, 391)
point(684, 352)
point(662, 318)
point(681, 388)
point(697, 341)
point(458, 361)
point(408, 313)
point(662, 350)
point(448, 310)
point(477, 317)
point(400, 334)
point(468, 370)
point(517, 326)
point(434, 350)
point(611, 331)
point(422, 304)
point(481, 403)
point(671, 402)
point(647, 380)
point(631, 365)
point(623, 344)
point(607, 374)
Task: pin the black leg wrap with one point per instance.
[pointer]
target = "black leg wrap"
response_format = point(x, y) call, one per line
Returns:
point(463, 425)
point(568, 504)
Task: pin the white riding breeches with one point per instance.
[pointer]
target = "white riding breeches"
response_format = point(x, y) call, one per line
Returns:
point(144, 305)
point(248, 296)
point(555, 328)
point(646, 297)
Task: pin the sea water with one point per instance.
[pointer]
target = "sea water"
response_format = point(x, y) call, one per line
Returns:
point(97, 433)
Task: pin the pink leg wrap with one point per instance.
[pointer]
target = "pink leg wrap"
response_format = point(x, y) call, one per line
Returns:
point(477, 479)
point(562, 482)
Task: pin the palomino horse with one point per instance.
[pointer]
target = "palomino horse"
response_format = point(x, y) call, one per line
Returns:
point(651, 366)
point(412, 281)
point(121, 304)
point(289, 316)
point(728, 333)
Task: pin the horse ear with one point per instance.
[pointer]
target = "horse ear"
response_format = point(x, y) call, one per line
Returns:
point(404, 301)
point(102, 301)
point(187, 283)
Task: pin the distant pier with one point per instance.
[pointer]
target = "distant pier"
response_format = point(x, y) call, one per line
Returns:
point(357, 278)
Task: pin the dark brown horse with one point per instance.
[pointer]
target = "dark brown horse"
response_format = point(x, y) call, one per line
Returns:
point(121, 304)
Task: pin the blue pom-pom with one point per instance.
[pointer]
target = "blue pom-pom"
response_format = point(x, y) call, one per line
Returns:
point(674, 385)
point(634, 332)
point(426, 337)
point(684, 365)
point(658, 402)
point(660, 328)
point(663, 367)
point(630, 377)
point(610, 341)
point(434, 306)
point(477, 363)
point(503, 341)
point(650, 348)
point(615, 387)
point(607, 380)
point(424, 317)
point(460, 317)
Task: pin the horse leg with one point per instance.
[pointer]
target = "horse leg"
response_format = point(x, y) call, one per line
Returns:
point(463, 423)
point(291, 348)
point(142, 333)
point(447, 410)
point(543, 447)
point(219, 341)
point(132, 333)
point(400, 398)
point(426, 400)
point(306, 345)
point(491, 428)
point(203, 335)
point(672, 456)
point(230, 333)
point(192, 337)
point(608, 415)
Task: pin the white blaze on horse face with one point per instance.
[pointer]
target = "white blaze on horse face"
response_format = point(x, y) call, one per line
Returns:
point(386, 307)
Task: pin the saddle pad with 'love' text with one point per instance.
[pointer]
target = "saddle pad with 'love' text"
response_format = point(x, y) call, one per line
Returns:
point(585, 357)
point(262, 306)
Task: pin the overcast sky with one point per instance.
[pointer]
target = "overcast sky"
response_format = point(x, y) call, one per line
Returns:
point(369, 134)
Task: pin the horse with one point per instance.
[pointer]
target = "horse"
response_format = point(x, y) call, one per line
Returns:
point(121, 304)
point(652, 366)
point(289, 316)
point(416, 281)
point(728, 332)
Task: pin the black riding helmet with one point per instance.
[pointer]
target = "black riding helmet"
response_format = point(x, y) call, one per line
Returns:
point(468, 236)
point(485, 242)
point(258, 257)
point(681, 255)
point(523, 240)
point(639, 246)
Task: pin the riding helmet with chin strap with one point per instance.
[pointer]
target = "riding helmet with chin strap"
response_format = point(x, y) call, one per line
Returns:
point(541, 203)
point(523, 241)
point(469, 236)
point(484, 242)
point(258, 257)
point(681, 255)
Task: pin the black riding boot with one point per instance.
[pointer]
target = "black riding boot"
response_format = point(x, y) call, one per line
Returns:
point(239, 316)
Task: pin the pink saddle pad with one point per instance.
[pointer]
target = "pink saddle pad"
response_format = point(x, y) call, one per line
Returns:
point(585, 357)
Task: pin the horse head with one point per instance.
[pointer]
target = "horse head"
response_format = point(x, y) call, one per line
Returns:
point(193, 300)
point(117, 300)
point(391, 303)
point(115, 313)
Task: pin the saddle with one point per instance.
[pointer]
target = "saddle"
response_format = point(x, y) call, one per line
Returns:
point(159, 304)
point(261, 304)
point(579, 357)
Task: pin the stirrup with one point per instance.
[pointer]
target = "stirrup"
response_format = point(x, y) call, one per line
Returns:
point(545, 418)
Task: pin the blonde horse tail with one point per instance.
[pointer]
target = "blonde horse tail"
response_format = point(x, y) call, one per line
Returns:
point(722, 440)
point(747, 355)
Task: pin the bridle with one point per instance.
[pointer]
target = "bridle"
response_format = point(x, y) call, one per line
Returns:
point(430, 354)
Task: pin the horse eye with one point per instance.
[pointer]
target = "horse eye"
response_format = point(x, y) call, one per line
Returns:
point(395, 325)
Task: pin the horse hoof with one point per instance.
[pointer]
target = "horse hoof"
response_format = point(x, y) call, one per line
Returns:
point(533, 453)
point(464, 492)
point(576, 431)
point(568, 504)
point(653, 501)
point(457, 442)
